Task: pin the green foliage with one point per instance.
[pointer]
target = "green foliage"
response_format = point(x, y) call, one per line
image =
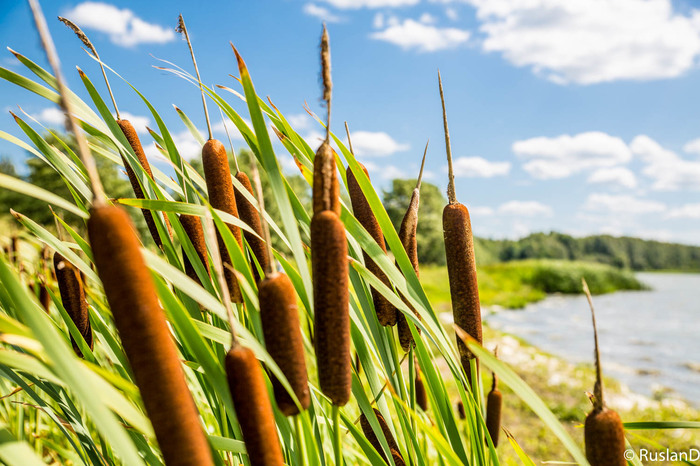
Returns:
point(431, 247)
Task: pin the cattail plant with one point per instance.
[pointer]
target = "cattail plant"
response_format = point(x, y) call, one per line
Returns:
point(44, 296)
point(249, 214)
point(329, 264)
point(193, 229)
point(131, 136)
point(461, 263)
point(421, 393)
point(374, 440)
point(603, 431)
point(408, 237)
point(131, 294)
point(217, 175)
point(280, 322)
point(386, 312)
point(73, 299)
point(494, 403)
point(247, 385)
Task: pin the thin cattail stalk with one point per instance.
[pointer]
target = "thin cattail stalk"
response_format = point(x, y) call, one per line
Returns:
point(132, 297)
point(86, 41)
point(279, 315)
point(99, 198)
point(386, 312)
point(408, 236)
point(461, 262)
point(131, 136)
point(181, 28)
point(604, 433)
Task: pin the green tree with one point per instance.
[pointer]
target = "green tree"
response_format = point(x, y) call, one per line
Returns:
point(431, 246)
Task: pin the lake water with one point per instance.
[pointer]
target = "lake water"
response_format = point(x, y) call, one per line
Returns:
point(649, 340)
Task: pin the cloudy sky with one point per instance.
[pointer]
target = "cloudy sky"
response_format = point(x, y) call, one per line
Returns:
point(580, 116)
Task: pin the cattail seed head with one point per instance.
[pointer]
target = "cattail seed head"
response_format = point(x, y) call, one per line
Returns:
point(253, 409)
point(250, 215)
point(605, 438)
point(461, 268)
point(386, 312)
point(421, 393)
point(135, 143)
point(326, 188)
point(217, 175)
point(494, 402)
point(194, 231)
point(329, 264)
point(146, 339)
point(73, 298)
point(460, 410)
point(374, 440)
point(280, 322)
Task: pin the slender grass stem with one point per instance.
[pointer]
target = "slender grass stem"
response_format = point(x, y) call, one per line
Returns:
point(337, 438)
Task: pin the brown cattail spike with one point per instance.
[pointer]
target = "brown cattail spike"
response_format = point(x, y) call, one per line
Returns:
point(374, 440)
point(135, 143)
point(494, 403)
point(386, 312)
point(603, 430)
point(279, 315)
point(253, 409)
point(146, 338)
point(73, 298)
point(461, 262)
point(193, 229)
point(408, 237)
point(249, 214)
point(421, 393)
point(329, 264)
point(217, 175)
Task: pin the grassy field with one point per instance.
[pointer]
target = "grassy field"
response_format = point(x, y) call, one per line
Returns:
point(515, 284)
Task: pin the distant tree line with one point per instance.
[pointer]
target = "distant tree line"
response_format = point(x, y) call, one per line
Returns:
point(622, 252)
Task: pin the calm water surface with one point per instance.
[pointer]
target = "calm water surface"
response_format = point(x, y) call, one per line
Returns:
point(650, 340)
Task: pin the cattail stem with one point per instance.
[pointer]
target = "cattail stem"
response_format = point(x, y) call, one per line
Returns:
point(210, 231)
point(337, 438)
point(86, 41)
point(326, 78)
point(422, 165)
point(451, 196)
point(598, 402)
point(181, 28)
point(230, 142)
point(265, 228)
point(99, 198)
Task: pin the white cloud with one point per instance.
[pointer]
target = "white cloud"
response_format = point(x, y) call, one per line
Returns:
point(479, 167)
point(321, 13)
point(481, 211)
point(668, 171)
point(427, 18)
point(621, 204)
point(356, 4)
point(411, 34)
point(565, 155)
point(685, 211)
point(619, 176)
point(452, 14)
point(379, 144)
point(378, 21)
point(122, 25)
point(525, 209)
point(299, 121)
point(692, 147)
point(592, 41)
point(50, 116)
point(219, 128)
point(138, 122)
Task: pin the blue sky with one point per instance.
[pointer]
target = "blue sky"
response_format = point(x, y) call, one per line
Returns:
point(580, 116)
